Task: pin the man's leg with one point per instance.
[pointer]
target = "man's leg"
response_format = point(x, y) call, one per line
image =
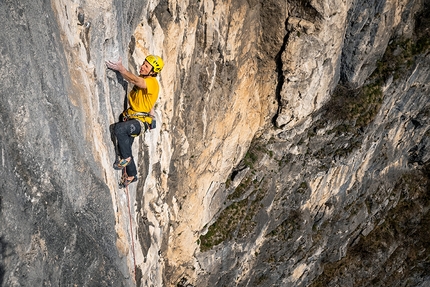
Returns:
point(124, 132)
point(131, 168)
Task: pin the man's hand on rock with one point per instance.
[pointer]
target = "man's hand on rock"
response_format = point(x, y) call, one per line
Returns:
point(117, 66)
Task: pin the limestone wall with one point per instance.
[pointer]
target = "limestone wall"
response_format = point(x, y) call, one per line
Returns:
point(276, 150)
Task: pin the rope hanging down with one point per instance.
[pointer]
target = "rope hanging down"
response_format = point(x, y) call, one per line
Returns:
point(131, 231)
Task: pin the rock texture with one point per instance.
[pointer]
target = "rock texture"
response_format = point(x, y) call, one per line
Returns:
point(291, 146)
point(58, 220)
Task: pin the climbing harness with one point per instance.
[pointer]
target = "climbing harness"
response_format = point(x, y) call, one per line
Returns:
point(144, 125)
point(136, 115)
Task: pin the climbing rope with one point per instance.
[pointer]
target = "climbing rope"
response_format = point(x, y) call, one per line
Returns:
point(131, 231)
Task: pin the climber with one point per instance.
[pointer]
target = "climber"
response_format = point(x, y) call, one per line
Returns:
point(136, 119)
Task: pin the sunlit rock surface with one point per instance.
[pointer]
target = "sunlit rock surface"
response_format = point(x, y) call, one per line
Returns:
point(291, 146)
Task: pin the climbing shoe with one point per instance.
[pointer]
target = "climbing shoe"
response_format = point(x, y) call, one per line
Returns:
point(120, 164)
point(125, 181)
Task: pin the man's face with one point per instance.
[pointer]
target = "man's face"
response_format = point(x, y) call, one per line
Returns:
point(145, 69)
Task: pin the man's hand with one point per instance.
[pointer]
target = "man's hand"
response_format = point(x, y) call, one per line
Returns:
point(117, 66)
point(126, 74)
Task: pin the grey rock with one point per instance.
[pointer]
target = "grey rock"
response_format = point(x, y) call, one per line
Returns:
point(330, 197)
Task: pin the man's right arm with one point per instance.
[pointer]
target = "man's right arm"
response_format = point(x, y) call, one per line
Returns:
point(126, 74)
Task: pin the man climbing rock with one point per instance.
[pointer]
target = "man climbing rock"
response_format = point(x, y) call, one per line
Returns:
point(138, 117)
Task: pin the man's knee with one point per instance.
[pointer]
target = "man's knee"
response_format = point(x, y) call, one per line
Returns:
point(119, 129)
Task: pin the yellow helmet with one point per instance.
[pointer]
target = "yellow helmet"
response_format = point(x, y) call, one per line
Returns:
point(156, 62)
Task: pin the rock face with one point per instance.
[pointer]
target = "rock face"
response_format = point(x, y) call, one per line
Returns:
point(58, 221)
point(291, 146)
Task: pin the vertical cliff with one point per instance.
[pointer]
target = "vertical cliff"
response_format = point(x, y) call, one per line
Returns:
point(291, 146)
point(57, 213)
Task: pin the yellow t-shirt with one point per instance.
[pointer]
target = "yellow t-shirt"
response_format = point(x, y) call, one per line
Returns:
point(142, 100)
